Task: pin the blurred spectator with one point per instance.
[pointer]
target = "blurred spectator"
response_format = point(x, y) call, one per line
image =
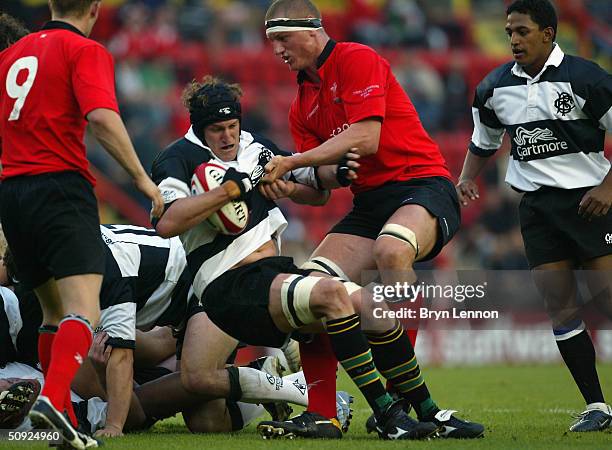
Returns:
point(407, 23)
point(425, 88)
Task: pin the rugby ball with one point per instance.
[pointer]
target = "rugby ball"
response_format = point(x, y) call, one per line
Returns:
point(233, 217)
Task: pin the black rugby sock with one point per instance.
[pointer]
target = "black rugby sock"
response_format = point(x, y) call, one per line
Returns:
point(395, 358)
point(351, 349)
point(579, 356)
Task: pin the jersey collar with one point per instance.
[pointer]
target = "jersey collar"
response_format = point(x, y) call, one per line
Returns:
point(59, 25)
point(191, 137)
point(554, 59)
point(327, 50)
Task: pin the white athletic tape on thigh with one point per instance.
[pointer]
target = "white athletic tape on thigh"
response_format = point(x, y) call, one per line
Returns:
point(401, 233)
point(325, 265)
point(295, 299)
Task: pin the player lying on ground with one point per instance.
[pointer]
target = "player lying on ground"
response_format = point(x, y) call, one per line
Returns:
point(20, 384)
point(20, 319)
point(145, 284)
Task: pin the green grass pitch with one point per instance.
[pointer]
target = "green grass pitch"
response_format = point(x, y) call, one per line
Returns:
point(522, 408)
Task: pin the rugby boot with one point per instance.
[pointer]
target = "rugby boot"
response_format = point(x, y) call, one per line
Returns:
point(344, 412)
point(452, 426)
point(44, 415)
point(306, 425)
point(395, 424)
point(15, 402)
point(592, 420)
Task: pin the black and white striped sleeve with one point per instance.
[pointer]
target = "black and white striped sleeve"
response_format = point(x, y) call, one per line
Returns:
point(598, 97)
point(119, 322)
point(488, 130)
point(171, 173)
point(304, 175)
point(118, 309)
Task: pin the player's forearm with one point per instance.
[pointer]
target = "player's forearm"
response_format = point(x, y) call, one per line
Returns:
point(363, 137)
point(607, 181)
point(472, 166)
point(119, 375)
point(109, 130)
point(327, 176)
point(307, 195)
point(188, 212)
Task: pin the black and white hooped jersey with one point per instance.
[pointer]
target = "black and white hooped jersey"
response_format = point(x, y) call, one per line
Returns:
point(146, 282)
point(209, 253)
point(556, 121)
point(20, 319)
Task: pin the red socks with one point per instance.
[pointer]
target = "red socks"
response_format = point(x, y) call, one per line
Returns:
point(68, 350)
point(319, 365)
point(412, 335)
point(46, 335)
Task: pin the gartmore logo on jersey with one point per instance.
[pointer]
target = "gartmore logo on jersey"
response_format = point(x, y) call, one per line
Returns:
point(539, 141)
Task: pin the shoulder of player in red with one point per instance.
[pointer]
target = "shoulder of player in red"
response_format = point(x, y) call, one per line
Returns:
point(55, 72)
point(358, 84)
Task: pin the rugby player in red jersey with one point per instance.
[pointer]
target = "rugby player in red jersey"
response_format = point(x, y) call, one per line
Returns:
point(53, 83)
point(405, 205)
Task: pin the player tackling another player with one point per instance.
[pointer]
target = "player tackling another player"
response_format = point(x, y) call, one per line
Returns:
point(238, 276)
point(405, 206)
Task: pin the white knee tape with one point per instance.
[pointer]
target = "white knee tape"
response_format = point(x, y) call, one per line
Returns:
point(401, 233)
point(325, 265)
point(295, 300)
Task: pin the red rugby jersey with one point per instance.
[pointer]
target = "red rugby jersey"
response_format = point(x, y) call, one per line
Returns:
point(357, 84)
point(49, 82)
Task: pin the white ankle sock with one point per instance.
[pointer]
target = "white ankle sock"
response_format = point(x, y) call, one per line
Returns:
point(299, 381)
point(250, 412)
point(260, 387)
point(600, 406)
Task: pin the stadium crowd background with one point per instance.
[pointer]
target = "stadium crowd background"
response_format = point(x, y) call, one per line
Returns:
point(439, 51)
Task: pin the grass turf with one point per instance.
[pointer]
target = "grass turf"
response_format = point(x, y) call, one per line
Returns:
point(522, 408)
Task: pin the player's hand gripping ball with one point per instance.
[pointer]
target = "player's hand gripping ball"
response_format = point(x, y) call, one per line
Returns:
point(233, 217)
